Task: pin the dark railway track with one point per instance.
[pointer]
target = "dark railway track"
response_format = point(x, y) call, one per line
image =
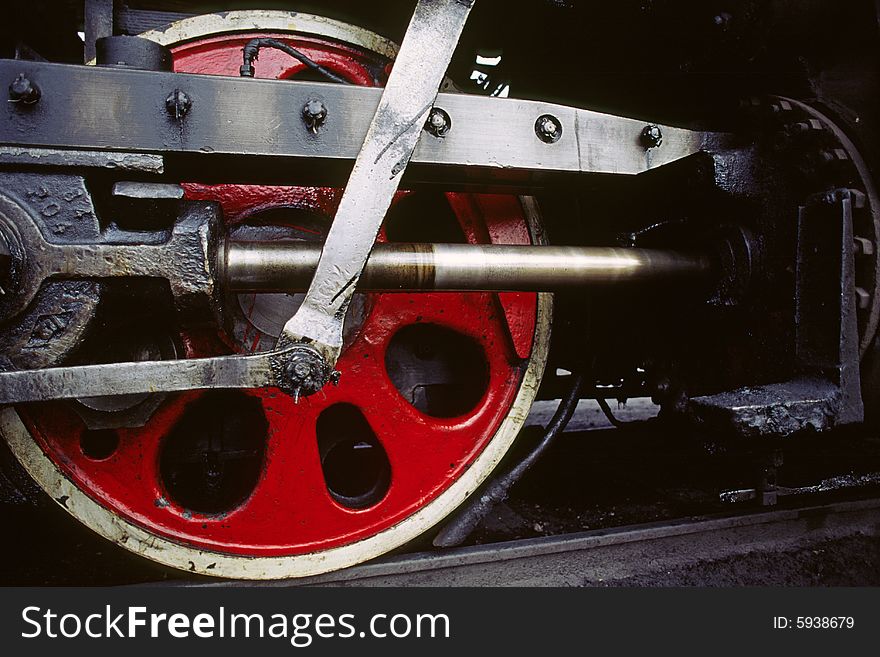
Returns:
point(778, 546)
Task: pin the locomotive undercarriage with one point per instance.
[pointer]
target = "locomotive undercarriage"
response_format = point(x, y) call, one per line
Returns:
point(186, 366)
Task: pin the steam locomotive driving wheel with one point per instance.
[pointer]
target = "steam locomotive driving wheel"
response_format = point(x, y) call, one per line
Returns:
point(252, 484)
point(216, 356)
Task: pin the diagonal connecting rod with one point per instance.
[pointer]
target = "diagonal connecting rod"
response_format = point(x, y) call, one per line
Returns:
point(412, 88)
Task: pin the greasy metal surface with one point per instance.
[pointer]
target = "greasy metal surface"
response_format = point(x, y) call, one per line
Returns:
point(149, 191)
point(838, 483)
point(79, 159)
point(492, 140)
point(136, 378)
point(824, 392)
point(827, 326)
point(55, 323)
point(122, 51)
point(776, 410)
point(289, 266)
point(388, 146)
point(185, 258)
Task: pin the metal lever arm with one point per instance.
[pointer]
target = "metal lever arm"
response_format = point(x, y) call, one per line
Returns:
point(292, 370)
point(412, 89)
point(83, 381)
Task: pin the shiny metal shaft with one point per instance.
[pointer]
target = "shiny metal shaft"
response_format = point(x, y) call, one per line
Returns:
point(289, 267)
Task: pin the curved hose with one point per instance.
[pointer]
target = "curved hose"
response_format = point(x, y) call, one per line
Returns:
point(252, 49)
point(460, 527)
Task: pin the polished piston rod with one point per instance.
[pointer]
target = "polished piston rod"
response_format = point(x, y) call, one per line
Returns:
point(289, 267)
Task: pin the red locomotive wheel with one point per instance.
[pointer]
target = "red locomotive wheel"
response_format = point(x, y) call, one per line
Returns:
point(435, 386)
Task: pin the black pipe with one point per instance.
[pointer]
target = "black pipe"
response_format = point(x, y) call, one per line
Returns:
point(465, 521)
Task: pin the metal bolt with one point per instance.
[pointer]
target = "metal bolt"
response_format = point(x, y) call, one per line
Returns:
point(439, 123)
point(781, 107)
point(548, 128)
point(305, 373)
point(801, 127)
point(22, 90)
point(314, 114)
point(722, 20)
point(834, 156)
point(178, 104)
point(302, 370)
point(652, 136)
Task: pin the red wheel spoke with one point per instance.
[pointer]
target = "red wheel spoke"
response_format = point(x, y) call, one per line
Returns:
point(292, 490)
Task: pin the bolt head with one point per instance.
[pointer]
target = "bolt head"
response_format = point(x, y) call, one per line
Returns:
point(315, 109)
point(652, 136)
point(178, 104)
point(314, 114)
point(548, 128)
point(439, 122)
point(22, 90)
point(301, 370)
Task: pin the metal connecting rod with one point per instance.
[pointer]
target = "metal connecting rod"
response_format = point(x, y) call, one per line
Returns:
point(290, 266)
point(403, 110)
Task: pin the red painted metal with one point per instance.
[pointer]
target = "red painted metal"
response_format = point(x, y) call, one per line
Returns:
point(291, 511)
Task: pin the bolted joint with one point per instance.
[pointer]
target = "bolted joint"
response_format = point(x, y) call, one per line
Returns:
point(548, 128)
point(314, 113)
point(439, 123)
point(651, 137)
point(301, 371)
point(178, 104)
point(22, 90)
